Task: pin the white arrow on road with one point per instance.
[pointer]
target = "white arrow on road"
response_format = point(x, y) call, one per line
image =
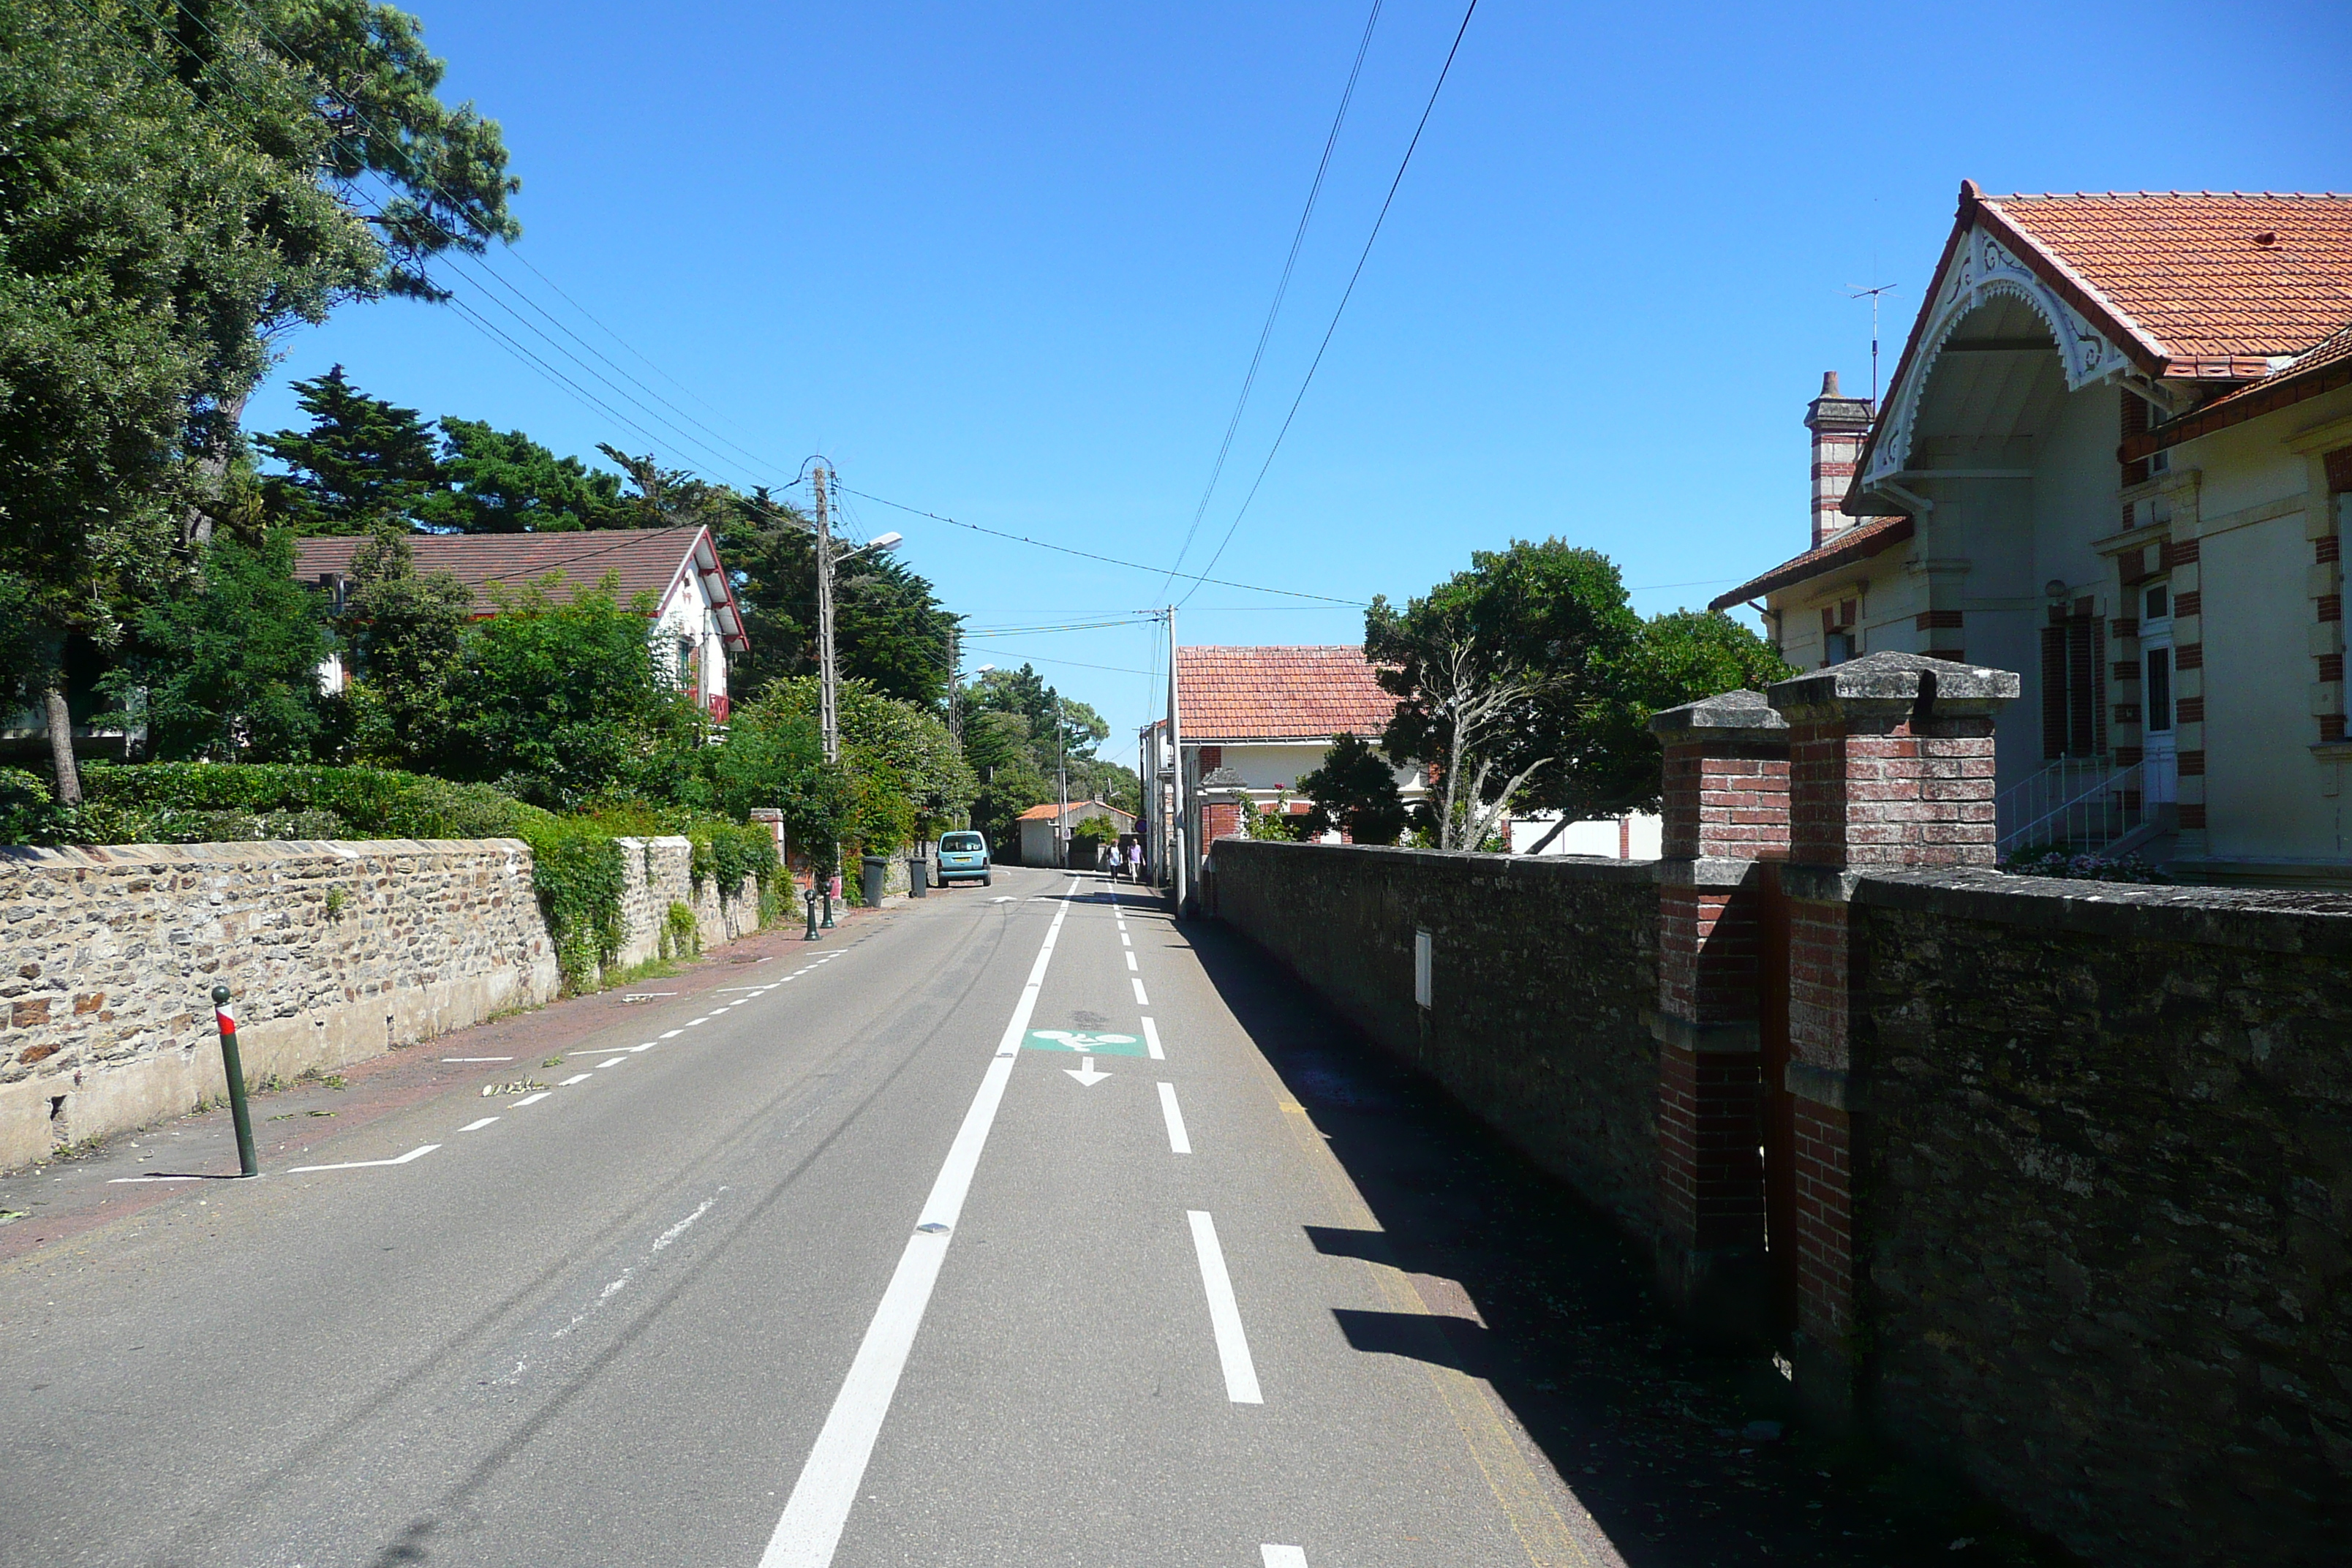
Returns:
point(1086, 1075)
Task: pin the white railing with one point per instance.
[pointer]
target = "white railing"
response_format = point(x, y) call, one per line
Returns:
point(2082, 802)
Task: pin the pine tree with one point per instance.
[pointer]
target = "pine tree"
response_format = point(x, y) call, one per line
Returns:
point(363, 461)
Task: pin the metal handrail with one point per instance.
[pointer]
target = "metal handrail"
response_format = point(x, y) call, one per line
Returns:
point(2086, 801)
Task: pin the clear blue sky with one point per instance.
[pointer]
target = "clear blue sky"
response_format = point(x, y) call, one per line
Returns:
point(1007, 263)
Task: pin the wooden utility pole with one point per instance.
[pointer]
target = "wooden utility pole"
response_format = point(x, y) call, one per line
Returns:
point(828, 715)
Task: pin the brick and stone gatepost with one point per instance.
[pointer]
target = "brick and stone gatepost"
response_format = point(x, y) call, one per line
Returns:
point(1891, 766)
point(1725, 808)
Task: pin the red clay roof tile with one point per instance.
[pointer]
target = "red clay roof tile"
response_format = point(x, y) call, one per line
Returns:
point(1859, 543)
point(1278, 693)
point(2206, 276)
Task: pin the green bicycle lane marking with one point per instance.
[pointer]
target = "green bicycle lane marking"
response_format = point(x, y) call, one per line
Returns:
point(1076, 1041)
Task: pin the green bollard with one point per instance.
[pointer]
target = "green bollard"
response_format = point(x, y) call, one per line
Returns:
point(809, 899)
point(235, 1066)
point(828, 903)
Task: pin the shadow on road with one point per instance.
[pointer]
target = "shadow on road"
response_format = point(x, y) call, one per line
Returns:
point(1683, 1456)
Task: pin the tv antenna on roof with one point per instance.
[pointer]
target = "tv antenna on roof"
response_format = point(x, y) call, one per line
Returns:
point(1856, 292)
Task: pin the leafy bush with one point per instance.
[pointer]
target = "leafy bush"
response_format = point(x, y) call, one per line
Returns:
point(580, 874)
point(28, 814)
point(681, 935)
point(367, 802)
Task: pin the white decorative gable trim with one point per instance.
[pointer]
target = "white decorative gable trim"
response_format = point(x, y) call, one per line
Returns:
point(1985, 271)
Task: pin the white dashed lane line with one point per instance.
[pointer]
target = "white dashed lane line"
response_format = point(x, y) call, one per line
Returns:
point(614, 1057)
point(1151, 1040)
point(1140, 999)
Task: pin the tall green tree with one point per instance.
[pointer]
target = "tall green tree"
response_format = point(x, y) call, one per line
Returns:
point(1355, 789)
point(1526, 682)
point(228, 671)
point(560, 703)
point(908, 739)
point(179, 183)
point(498, 481)
point(404, 639)
point(363, 461)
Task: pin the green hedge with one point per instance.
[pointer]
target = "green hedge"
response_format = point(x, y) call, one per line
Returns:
point(367, 802)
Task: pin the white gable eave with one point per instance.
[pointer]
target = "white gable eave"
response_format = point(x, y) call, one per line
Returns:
point(1984, 269)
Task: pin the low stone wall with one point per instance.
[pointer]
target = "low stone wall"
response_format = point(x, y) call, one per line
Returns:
point(661, 873)
point(335, 952)
point(1540, 971)
point(2102, 1193)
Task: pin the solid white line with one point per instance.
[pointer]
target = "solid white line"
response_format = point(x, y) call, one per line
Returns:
point(477, 1126)
point(1282, 1557)
point(368, 1164)
point(1140, 999)
point(477, 1058)
point(118, 1181)
point(575, 1077)
point(813, 1517)
point(1178, 1144)
point(533, 1099)
point(1225, 1313)
point(1151, 1041)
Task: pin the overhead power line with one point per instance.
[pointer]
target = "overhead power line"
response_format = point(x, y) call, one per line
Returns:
point(1282, 288)
point(1308, 380)
point(1090, 555)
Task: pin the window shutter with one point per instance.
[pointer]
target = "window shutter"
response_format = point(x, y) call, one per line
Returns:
point(2081, 688)
point(2053, 691)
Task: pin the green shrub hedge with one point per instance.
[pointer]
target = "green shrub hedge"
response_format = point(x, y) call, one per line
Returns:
point(369, 803)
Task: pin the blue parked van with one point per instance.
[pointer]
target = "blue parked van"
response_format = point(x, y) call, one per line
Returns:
point(964, 854)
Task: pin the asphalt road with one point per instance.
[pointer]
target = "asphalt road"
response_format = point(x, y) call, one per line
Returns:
point(987, 1237)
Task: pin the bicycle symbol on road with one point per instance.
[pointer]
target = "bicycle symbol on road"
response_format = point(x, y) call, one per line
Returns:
point(1091, 1044)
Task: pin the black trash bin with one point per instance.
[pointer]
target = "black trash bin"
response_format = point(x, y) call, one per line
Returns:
point(875, 867)
point(918, 877)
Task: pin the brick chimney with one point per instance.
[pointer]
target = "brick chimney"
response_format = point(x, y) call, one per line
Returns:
point(1839, 424)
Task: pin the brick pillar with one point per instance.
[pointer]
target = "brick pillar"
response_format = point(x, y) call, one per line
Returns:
point(1891, 766)
point(1725, 808)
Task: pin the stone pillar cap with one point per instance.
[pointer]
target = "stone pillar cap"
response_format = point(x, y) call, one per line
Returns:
point(1900, 682)
point(1728, 711)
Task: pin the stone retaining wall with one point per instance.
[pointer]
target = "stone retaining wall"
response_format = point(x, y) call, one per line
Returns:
point(1541, 970)
point(2100, 1146)
point(661, 873)
point(335, 952)
point(2102, 1193)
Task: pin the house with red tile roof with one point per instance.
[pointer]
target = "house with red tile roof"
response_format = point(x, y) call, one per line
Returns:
point(693, 620)
point(1251, 720)
point(2114, 457)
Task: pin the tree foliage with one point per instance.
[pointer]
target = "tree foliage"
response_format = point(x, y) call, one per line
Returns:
point(228, 670)
point(502, 481)
point(1018, 731)
point(1526, 682)
point(1355, 790)
point(362, 463)
point(889, 629)
point(886, 737)
point(178, 184)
